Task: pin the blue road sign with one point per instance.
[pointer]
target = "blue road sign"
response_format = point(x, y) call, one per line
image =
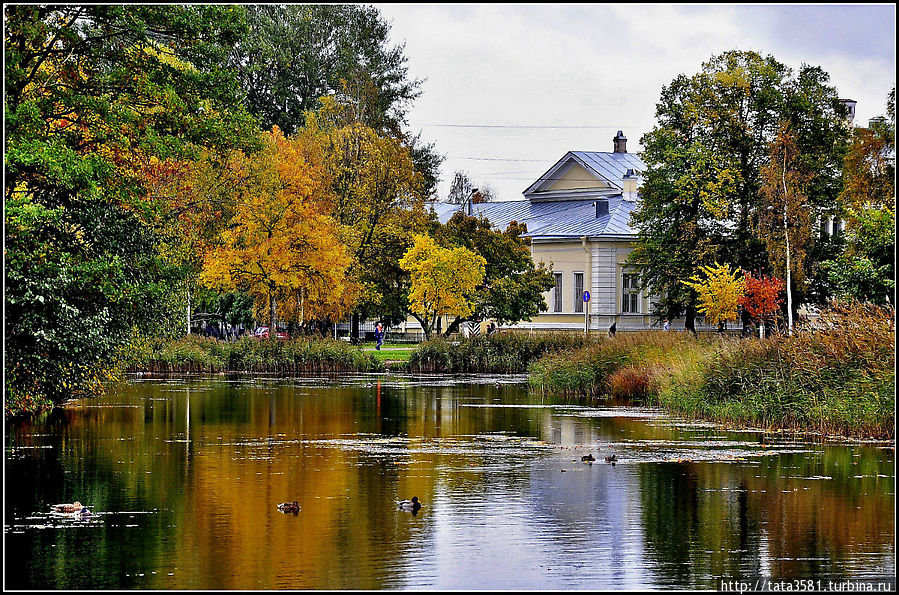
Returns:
point(586, 296)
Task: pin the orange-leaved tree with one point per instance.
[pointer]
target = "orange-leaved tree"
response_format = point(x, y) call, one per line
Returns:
point(281, 241)
point(761, 296)
point(720, 291)
point(443, 281)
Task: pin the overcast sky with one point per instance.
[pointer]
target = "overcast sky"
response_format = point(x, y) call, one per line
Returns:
point(498, 78)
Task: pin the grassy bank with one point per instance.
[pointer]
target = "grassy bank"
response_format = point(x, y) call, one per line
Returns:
point(249, 354)
point(500, 353)
point(837, 378)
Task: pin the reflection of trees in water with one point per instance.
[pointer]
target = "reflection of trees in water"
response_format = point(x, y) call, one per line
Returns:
point(824, 526)
point(90, 462)
point(770, 519)
point(215, 458)
point(669, 500)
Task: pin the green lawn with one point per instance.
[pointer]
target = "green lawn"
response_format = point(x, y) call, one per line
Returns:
point(399, 352)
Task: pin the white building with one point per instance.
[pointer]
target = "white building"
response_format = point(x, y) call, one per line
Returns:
point(578, 219)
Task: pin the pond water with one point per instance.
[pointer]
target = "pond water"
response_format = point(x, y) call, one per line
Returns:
point(184, 477)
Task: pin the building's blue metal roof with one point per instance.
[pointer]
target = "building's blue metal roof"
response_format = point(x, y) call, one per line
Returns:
point(569, 218)
point(552, 219)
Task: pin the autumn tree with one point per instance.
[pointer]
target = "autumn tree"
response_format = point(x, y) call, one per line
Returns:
point(91, 92)
point(866, 269)
point(869, 169)
point(462, 189)
point(442, 281)
point(784, 222)
point(485, 193)
point(720, 293)
point(281, 242)
point(761, 296)
point(378, 202)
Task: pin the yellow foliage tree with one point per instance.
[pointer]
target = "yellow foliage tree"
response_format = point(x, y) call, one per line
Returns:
point(281, 244)
point(720, 292)
point(443, 280)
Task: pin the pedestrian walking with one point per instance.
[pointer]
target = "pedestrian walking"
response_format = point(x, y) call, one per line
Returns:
point(667, 325)
point(613, 329)
point(379, 336)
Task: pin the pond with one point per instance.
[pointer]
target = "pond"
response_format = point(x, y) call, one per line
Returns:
point(184, 477)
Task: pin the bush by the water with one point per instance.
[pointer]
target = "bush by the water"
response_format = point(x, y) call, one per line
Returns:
point(499, 353)
point(249, 354)
point(834, 376)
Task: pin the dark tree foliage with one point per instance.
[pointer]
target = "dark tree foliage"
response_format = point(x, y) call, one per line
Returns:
point(293, 54)
point(92, 92)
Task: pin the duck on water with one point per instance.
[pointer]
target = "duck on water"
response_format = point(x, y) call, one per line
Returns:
point(409, 505)
point(74, 508)
point(289, 507)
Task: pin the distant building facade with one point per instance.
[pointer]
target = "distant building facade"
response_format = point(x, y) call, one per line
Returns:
point(578, 219)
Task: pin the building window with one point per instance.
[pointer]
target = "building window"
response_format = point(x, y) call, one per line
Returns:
point(838, 227)
point(578, 292)
point(630, 295)
point(557, 293)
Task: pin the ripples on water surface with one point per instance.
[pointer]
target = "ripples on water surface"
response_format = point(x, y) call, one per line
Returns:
point(185, 476)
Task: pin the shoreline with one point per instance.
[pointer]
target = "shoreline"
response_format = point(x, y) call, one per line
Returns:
point(671, 414)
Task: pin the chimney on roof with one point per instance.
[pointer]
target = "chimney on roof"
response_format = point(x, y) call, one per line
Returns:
point(602, 207)
point(629, 186)
point(620, 143)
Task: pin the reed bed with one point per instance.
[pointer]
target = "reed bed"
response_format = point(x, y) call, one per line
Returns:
point(835, 377)
point(249, 354)
point(499, 353)
point(630, 365)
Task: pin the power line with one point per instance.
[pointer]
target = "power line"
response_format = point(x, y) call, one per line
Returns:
point(529, 126)
point(498, 159)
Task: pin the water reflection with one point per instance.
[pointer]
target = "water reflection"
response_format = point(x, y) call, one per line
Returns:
point(187, 475)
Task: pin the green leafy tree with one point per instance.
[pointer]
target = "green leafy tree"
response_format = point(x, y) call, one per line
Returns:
point(292, 55)
point(866, 269)
point(234, 310)
point(678, 222)
point(91, 94)
point(702, 194)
